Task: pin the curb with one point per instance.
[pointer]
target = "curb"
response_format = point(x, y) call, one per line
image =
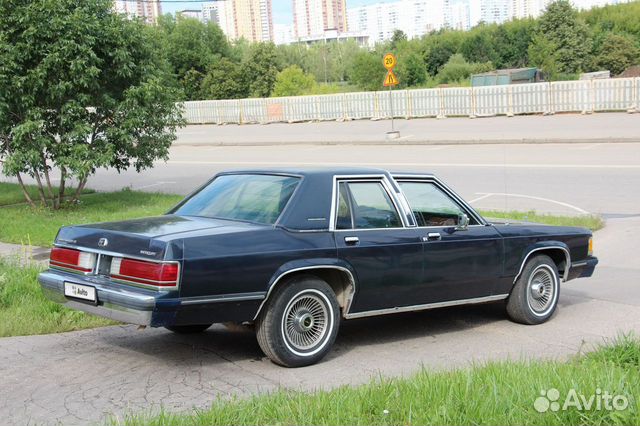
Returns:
point(396, 142)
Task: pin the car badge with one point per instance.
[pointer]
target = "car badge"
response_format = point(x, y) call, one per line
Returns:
point(103, 242)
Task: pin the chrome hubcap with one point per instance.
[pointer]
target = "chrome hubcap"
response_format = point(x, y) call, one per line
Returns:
point(541, 290)
point(305, 321)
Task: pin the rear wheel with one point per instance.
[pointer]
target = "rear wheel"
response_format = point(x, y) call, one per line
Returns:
point(299, 323)
point(188, 329)
point(534, 297)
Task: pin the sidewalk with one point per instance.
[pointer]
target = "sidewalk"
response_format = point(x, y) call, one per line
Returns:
point(561, 128)
point(24, 253)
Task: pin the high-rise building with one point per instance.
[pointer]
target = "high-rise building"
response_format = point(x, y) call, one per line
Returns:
point(248, 19)
point(147, 10)
point(495, 11)
point(457, 14)
point(314, 17)
point(414, 17)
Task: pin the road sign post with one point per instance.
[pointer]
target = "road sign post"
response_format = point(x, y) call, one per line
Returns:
point(389, 62)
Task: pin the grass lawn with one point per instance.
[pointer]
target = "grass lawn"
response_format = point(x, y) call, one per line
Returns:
point(11, 193)
point(21, 224)
point(590, 222)
point(24, 310)
point(498, 393)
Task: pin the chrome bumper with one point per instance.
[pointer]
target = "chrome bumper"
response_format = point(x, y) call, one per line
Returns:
point(116, 303)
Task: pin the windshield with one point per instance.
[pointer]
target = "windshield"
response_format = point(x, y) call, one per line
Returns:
point(254, 198)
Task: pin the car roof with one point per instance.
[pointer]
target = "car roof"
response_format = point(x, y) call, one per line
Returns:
point(325, 171)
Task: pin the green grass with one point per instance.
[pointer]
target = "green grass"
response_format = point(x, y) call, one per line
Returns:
point(588, 221)
point(22, 224)
point(498, 393)
point(11, 193)
point(24, 310)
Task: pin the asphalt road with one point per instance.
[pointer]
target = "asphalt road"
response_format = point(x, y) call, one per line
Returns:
point(82, 377)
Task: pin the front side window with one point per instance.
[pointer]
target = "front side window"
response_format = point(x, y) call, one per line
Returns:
point(430, 205)
point(249, 197)
point(365, 205)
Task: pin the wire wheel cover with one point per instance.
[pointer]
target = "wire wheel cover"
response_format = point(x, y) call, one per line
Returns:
point(542, 289)
point(305, 321)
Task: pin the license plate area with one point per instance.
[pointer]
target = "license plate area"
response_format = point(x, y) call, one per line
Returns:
point(79, 291)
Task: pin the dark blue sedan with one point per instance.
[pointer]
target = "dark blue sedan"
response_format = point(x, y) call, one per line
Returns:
point(294, 252)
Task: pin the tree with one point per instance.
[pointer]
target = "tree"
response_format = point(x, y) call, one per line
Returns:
point(80, 88)
point(398, 37)
point(479, 45)
point(293, 81)
point(190, 47)
point(260, 70)
point(617, 53)
point(367, 71)
point(412, 70)
point(457, 69)
point(560, 28)
point(543, 53)
point(224, 80)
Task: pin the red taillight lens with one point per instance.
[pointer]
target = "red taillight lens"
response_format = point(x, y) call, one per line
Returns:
point(72, 259)
point(139, 271)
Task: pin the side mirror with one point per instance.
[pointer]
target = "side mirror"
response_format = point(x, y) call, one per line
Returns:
point(463, 222)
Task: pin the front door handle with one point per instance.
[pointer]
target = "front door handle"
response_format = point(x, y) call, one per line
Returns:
point(432, 236)
point(351, 240)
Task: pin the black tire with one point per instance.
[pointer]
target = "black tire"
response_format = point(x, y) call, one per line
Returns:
point(314, 319)
point(188, 329)
point(534, 297)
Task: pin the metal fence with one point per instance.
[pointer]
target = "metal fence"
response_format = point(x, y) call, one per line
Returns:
point(620, 94)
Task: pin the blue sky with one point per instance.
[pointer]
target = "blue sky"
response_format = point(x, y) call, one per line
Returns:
point(281, 8)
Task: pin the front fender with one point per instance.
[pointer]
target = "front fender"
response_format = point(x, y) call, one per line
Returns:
point(539, 246)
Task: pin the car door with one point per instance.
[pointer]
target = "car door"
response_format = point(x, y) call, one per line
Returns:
point(459, 262)
point(371, 236)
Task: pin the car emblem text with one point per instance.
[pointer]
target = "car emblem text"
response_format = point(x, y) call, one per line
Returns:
point(103, 242)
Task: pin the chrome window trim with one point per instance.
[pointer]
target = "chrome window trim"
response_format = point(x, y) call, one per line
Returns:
point(352, 283)
point(387, 186)
point(567, 257)
point(116, 254)
point(447, 190)
point(426, 306)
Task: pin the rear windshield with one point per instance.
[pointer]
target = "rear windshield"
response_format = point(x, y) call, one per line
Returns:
point(253, 198)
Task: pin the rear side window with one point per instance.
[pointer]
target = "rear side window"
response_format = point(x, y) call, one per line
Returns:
point(253, 198)
point(365, 205)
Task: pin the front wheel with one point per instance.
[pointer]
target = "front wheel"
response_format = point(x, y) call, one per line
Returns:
point(299, 323)
point(534, 297)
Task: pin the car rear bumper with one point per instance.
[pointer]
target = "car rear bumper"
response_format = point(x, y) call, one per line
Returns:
point(142, 306)
point(583, 268)
point(129, 305)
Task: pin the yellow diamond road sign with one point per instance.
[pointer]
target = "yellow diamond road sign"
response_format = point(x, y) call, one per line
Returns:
point(389, 61)
point(391, 79)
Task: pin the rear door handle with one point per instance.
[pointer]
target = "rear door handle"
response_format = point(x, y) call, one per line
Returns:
point(351, 240)
point(432, 236)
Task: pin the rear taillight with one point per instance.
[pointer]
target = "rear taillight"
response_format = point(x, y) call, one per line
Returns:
point(141, 272)
point(76, 260)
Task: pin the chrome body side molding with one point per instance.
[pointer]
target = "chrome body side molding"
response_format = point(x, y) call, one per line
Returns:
point(427, 306)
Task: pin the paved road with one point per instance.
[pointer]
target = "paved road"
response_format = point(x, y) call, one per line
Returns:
point(555, 128)
point(83, 376)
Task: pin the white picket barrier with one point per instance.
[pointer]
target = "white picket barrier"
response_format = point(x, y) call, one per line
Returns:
point(585, 96)
point(425, 102)
point(456, 101)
